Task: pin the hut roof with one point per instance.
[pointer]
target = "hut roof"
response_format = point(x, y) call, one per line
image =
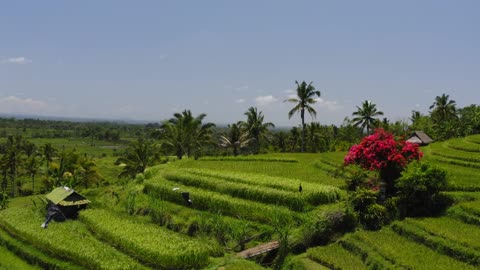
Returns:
point(66, 197)
point(420, 137)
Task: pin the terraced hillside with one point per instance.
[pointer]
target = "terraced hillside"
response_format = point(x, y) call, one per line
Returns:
point(448, 242)
point(228, 212)
point(236, 204)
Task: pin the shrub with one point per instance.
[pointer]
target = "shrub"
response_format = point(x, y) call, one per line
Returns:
point(381, 152)
point(356, 178)
point(370, 214)
point(419, 189)
point(375, 217)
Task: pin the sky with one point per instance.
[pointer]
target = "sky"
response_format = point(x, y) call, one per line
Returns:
point(145, 60)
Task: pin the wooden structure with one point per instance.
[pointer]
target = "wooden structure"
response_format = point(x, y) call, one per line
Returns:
point(420, 138)
point(260, 249)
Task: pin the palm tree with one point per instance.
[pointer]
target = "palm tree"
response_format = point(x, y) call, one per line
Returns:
point(365, 116)
point(48, 152)
point(314, 136)
point(86, 171)
point(305, 97)
point(186, 134)
point(443, 109)
point(13, 158)
point(234, 139)
point(293, 139)
point(137, 157)
point(32, 166)
point(255, 127)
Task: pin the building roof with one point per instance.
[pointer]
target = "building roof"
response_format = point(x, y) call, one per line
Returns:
point(66, 197)
point(419, 137)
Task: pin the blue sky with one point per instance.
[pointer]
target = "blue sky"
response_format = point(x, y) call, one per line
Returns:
point(145, 60)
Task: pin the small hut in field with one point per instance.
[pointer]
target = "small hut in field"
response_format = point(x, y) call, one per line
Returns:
point(420, 138)
point(68, 201)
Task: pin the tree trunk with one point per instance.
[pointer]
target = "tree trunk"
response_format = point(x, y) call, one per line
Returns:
point(179, 153)
point(302, 115)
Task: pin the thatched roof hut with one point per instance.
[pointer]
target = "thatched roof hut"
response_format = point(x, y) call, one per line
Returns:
point(420, 138)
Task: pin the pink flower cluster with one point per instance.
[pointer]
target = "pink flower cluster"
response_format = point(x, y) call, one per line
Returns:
point(380, 150)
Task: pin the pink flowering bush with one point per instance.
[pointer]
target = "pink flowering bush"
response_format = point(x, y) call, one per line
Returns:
point(381, 152)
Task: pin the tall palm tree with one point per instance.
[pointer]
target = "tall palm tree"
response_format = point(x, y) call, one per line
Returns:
point(443, 109)
point(305, 97)
point(234, 138)
point(365, 116)
point(255, 127)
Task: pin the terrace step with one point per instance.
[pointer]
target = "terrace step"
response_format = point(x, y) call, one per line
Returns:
point(260, 249)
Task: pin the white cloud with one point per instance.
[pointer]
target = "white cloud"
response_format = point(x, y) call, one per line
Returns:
point(265, 100)
point(13, 104)
point(163, 56)
point(242, 88)
point(328, 104)
point(240, 100)
point(292, 96)
point(289, 91)
point(17, 60)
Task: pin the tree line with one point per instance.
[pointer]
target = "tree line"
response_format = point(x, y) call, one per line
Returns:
point(20, 158)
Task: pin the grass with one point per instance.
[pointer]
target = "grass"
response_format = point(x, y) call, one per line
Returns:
point(450, 229)
point(473, 139)
point(32, 255)
point(249, 159)
point(313, 193)
point(153, 245)
point(10, 261)
point(405, 253)
point(68, 240)
point(303, 170)
point(463, 145)
point(441, 149)
point(294, 201)
point(334, 256)
point(437, 243)
point(246, 188)
point(214, 202)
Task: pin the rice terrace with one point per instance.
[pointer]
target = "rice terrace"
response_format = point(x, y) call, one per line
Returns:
point(239, 135)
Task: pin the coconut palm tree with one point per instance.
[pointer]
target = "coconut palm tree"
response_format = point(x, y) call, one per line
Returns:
point(293, 139)
point(86, 171)
point(365, 116)
point(137, 157)
point(255, 127)
point(234, 138)
point(314, 136)
point(443, 109)
point(48, 152)
point(186, 134)
point(305, 97)
point(32, 167)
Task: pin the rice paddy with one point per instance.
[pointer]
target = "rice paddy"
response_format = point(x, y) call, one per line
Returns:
point(233, 199)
